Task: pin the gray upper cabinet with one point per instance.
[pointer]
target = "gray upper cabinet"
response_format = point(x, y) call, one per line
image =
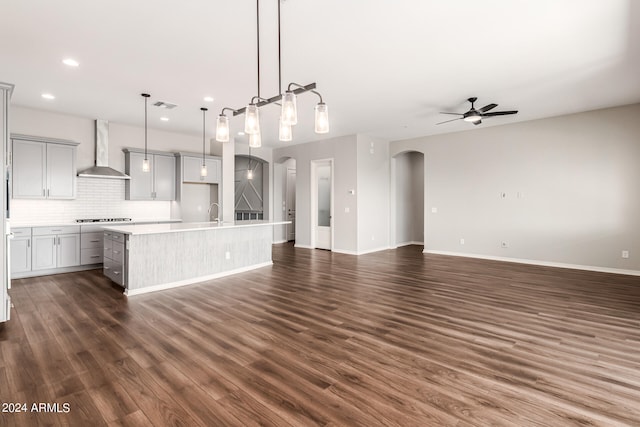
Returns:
point(157, 184)
point(43, 168)
point(191, 167)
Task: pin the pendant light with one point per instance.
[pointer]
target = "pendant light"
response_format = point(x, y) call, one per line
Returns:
point(255, 140)
point(203, 169)
point(145, 163)
point(289, 110)
point(222, 128)
point(285, 133)
point(288, 99)
point(322, 118)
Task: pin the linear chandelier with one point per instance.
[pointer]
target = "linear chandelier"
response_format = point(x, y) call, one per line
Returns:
point(289, 112)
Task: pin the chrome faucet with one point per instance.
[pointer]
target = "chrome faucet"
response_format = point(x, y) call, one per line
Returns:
point(217, 219)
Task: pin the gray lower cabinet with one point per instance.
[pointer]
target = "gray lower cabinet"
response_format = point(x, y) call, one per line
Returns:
point(20, 253)
point(114, 257)
point(55, 247)
point(91, 247)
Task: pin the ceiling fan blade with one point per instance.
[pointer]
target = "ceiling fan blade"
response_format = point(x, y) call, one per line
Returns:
point(447, 121)
point(457, 114)
point(487, 108)
point(477, 122)
point(499, 113)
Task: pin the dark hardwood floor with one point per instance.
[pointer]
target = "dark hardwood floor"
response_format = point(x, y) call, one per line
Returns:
point(390, 338)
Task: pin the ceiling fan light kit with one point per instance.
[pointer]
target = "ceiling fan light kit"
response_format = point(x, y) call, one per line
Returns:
point(289, 110)
point(474, 115)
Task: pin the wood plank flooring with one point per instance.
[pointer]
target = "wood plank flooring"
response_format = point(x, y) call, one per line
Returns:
point(394, 338)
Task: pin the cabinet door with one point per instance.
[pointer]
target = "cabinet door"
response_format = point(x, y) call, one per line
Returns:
point(28, 169)
point(61, 171)
point(164, 175)
point(139, 187)
point(192, 166)
point(43, 252)
point(20, 254)
point(68, 250)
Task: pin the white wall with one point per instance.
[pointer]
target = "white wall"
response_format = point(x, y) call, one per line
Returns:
point(373, 194)
point(345, 224)
point(90, 203)
point(571, 188)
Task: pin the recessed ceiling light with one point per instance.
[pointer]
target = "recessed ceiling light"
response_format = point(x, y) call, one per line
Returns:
point(70, 62)
point(164, 119)
point(241, 133)
point(208, 99)
point(48, 96)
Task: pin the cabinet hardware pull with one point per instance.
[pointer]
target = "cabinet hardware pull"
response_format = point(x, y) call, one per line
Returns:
point(116, 272)
point(48, 192)
point(44, 192)
point(57, 230)
point(106, 268)
point(94, 256)
point(29, 243)
point(94, 241)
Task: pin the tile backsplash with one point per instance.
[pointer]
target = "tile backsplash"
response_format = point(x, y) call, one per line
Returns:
point(96, 198)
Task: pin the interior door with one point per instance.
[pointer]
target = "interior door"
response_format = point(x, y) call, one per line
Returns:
point(291, 204)
point(324, 187)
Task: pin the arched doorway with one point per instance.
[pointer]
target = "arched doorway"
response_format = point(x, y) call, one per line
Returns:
point(408, 206)
point(284, 176)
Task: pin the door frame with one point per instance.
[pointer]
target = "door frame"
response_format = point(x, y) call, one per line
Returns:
point(314, 199)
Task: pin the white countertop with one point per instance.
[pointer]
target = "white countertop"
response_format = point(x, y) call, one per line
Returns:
point(18, 224)
point(188, 226)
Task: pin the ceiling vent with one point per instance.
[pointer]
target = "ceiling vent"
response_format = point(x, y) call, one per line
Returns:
point(163, 104)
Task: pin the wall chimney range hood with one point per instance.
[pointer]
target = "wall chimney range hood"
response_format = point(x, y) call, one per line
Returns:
point(102, 169)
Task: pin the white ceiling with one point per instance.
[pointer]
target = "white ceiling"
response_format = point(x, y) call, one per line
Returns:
point(385, 68)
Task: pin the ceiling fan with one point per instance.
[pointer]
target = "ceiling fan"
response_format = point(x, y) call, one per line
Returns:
point(475, 116)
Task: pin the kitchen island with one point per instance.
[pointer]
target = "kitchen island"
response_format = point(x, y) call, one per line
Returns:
point(154, 257)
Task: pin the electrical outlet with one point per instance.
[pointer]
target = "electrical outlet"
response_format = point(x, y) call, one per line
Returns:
point(434, 210)
point(227, 255)
point(625, 254)
point(504, 244)
point(462, 241)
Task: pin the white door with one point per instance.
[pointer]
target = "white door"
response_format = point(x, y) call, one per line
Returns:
point(323, 199)
point(291, 204)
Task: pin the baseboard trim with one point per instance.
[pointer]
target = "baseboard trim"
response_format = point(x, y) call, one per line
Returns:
point(279, 242)
point(48, 272)
point(537, 262)
point(164, 286)
point(297, 245)
point(398, 245)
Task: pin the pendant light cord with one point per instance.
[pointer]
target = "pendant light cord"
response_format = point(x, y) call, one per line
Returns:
point(146, 98)
point(258, 37)
point(204, 111)
point(279, 53)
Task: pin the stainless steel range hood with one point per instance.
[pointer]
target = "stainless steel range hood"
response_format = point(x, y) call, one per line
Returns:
point(102, 169)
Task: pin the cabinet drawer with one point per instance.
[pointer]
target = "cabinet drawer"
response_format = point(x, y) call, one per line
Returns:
point(117, 237)
point(91, 256)
point(117, 252)
point(91, 240)
point(114, 271)
point(65, 229)
point(21, 232)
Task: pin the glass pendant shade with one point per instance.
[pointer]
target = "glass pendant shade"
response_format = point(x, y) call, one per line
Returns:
point(285, 133)
point(203, 171)
point(251, 120)
point(249, 173)
point(322, 118)
point(289, 114)
point(255, 140)
point(145, 165)
point(222, 128)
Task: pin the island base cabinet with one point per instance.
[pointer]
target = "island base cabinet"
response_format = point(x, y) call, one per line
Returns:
point(114, 257)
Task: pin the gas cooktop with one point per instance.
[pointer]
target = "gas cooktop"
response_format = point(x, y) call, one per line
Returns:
point(103, 220)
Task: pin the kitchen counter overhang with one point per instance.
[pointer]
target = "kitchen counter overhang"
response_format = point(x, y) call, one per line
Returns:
point(164, 256)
